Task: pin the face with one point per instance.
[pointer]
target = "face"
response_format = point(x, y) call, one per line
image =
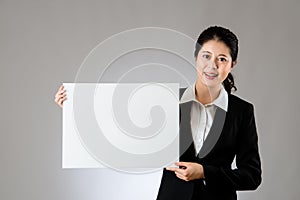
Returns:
point(213, 63)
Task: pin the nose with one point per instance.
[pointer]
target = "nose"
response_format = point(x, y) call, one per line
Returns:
point(214, 64)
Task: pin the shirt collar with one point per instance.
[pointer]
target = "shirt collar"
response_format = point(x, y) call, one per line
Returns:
point(221, 101)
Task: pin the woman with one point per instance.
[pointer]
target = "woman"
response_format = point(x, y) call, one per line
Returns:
point(215, 126)
point(221, 126)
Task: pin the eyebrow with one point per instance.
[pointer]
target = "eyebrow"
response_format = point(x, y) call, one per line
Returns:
point(211, 53)
point(206, 52)
point(223, 55)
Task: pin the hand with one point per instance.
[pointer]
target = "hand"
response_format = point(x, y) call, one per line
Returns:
point(187, 171)
point(60, 96)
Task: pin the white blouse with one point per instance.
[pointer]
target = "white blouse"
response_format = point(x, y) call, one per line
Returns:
point(202, 115)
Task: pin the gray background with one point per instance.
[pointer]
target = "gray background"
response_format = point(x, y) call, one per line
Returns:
point(42, 44)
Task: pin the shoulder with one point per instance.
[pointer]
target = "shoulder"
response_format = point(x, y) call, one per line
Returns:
point(239, 103)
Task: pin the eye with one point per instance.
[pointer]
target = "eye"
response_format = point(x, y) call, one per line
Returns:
point(222, 59)
point(206, 56)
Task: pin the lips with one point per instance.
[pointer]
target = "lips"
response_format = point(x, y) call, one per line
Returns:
point(210, 75)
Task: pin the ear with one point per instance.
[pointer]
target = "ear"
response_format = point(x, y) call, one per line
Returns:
point(233, 64)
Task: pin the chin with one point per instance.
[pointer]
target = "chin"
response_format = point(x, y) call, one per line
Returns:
point(211, 84)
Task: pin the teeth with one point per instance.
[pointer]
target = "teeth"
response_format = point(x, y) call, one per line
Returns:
point(212, 75)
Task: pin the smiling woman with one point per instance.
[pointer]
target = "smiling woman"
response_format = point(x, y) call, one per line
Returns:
point(220, 125)
point(215, 127)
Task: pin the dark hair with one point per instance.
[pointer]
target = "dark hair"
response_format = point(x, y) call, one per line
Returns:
point(224, 35)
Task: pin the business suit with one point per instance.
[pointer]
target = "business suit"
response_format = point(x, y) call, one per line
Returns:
point(232, 133)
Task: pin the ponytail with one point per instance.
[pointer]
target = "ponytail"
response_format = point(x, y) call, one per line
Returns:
point(229, 84)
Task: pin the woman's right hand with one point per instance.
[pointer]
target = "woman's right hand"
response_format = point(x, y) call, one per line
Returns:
point(60, 96)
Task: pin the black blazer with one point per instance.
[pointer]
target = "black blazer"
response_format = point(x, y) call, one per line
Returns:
point(233, 133)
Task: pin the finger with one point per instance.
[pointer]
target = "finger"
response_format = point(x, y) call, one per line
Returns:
point(61, 87)
point(60, 95)
point(172, 168)
point(61, 101)
point(175, 169)
point(184, 164)
point(61, 91)
point(181, 163)
point(181, 176)
point(63, 95)
point(62, 98)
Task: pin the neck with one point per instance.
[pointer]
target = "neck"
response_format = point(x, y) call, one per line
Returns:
point(205, 94)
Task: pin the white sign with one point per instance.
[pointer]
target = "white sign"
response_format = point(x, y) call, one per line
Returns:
point(129, 126)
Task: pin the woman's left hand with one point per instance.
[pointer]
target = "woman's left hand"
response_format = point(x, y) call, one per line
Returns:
point(187, 171)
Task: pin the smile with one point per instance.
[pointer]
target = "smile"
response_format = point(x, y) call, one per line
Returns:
point(210, 75)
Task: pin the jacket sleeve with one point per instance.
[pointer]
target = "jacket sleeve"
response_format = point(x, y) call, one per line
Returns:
point(247, 175)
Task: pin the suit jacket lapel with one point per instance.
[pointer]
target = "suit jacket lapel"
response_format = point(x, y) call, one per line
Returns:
point(186, 139)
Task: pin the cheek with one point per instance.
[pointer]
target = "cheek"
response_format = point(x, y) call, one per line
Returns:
point(224, 72)
point(201, 65)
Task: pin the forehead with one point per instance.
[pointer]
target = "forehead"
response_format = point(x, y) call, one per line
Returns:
point(215, 47)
